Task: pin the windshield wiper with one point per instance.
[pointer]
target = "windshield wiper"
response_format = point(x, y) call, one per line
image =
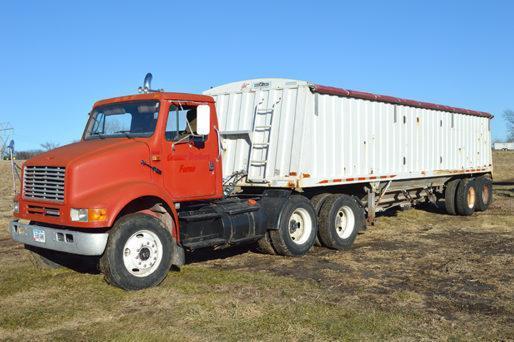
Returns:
point(100, 135)
point(125, 132)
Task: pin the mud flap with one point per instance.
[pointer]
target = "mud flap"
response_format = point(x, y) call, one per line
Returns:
point(178, 257)
point(273, 201)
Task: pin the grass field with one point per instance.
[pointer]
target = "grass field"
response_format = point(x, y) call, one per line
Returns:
point(417, 274)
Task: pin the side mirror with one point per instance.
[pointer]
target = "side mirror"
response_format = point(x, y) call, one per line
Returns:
point(203, 120)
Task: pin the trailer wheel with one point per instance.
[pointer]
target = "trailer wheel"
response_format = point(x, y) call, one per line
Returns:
point(138, 252)
point(450, 194)
point(317, 201)
point(466, 197)
point(484, 188)
point(341, 218)
point(264, 245)
point(297, 227)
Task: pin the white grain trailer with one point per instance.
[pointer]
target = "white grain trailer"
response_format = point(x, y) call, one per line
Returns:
point(381, 150)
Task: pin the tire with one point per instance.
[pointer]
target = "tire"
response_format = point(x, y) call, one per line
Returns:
point(264, 245)
point(42, 258)
point(135, 241)
point(484, 187)
point(450, 194)
point(297, 227)
point(317, 201)
point(466, 197)
point(341, 218)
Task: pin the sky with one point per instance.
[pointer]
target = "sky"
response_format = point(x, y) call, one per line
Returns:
point(58, 57)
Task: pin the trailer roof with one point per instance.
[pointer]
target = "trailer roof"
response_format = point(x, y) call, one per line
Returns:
point(321, 89)
point(248, 85)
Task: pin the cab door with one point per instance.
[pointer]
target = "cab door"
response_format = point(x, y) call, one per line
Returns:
point(191, 159)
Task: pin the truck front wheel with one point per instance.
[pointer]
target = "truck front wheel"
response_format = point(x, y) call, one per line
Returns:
point(297, 227)
point(138, 253)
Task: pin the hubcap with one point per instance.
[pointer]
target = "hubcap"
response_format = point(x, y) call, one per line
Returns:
point(485, 194)
point(300, 226)
point(344, 222)
point(471, 197)
point(142, 253)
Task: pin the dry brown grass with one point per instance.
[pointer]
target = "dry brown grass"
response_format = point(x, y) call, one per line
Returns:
point(419, 274)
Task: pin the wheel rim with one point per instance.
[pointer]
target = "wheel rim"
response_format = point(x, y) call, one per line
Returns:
point(142, 253)
point(485, 194)
point(344, 222)
point(300, 226)
point(471, 197)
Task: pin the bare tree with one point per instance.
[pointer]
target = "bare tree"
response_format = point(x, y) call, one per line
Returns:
point(49, 146)
point(509, 117)
point(24, 155)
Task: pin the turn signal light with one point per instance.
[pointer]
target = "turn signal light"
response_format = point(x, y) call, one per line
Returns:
point(97, 215)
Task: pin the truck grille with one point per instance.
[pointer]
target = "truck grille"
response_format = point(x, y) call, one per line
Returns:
point(44, 182)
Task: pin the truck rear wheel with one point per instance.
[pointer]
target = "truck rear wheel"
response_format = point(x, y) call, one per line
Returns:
point(317, 201)
point(466, 197)
point(341, 218)
point(138, 253)
point(484, 193)
point(297, 227)
point(450, 194)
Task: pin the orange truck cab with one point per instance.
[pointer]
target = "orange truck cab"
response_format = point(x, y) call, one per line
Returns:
point(143, 184)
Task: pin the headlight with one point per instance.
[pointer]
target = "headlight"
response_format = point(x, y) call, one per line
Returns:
point(88, 215)
point(78, 215)
point(16, 207)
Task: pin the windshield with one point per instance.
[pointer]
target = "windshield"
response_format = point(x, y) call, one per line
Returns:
point(128, 119)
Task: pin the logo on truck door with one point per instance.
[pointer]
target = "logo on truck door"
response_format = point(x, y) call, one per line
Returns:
point(186, 169)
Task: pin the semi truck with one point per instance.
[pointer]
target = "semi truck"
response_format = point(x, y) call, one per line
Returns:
point(283, 164)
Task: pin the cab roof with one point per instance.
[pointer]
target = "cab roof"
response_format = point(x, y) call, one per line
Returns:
point(157, 96)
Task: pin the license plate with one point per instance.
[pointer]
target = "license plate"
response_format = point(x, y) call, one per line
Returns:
point(39, 235)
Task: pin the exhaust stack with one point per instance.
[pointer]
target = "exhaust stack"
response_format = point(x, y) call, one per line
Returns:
point(147, 85)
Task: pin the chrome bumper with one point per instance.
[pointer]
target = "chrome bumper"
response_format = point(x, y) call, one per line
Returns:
point(62, 240)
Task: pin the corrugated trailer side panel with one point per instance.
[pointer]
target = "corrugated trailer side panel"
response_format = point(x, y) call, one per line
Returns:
point(321, 139)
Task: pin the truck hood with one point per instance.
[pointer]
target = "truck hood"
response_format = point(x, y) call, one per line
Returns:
point(96, 164)
point(65, 155)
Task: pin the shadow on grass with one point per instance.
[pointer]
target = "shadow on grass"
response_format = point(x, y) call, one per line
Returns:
point(206, 254)
point(78, 263)
point(428, 207)
point(504, 183)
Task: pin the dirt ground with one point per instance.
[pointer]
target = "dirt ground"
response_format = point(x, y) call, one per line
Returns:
point(416, 274)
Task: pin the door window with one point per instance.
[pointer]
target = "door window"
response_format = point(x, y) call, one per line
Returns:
point(181, 123)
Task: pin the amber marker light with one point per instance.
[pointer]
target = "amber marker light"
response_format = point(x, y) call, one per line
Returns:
point(97, 215)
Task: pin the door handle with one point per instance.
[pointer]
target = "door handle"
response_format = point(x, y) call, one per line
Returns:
point(211, 165)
